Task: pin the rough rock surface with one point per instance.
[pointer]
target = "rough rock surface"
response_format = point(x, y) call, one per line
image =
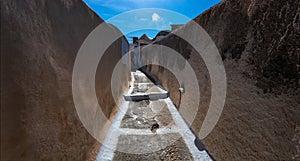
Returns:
point(259, 44)
point(269, 30)
point(39, 43)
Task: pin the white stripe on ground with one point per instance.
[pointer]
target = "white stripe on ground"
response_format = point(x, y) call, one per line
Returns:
point(110, 143)
point(111, 140)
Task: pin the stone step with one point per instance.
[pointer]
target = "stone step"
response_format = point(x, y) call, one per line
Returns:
point(150, 96)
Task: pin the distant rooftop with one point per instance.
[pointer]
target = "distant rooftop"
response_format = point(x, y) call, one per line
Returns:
point(176, 26)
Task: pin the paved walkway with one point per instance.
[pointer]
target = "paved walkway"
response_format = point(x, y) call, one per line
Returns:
point(149, 127)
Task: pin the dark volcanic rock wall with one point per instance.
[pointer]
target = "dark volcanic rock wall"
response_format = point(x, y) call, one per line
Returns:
point(230, 25)
point(268, 29)
point(259, 43)
point(276, 25)
point(39, 43)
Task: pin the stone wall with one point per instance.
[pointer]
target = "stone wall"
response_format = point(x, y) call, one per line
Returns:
point(258, 41)
point(39, 43)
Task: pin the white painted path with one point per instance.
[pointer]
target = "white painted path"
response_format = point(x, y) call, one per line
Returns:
point(107, 153)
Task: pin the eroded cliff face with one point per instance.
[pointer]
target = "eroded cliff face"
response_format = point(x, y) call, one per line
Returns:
point(259, 43)
point(39, 43)
point(268, 29)
point(277, 25)
point(227, 23)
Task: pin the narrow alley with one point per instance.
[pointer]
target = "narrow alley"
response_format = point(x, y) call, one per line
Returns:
point(150, 80)
point(149, 127)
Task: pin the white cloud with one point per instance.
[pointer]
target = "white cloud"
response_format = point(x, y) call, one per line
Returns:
point(155, 17)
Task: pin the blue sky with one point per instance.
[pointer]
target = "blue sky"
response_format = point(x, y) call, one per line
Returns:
point(135, 17)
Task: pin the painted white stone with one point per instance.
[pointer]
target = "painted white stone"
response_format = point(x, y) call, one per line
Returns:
point(107, 153)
